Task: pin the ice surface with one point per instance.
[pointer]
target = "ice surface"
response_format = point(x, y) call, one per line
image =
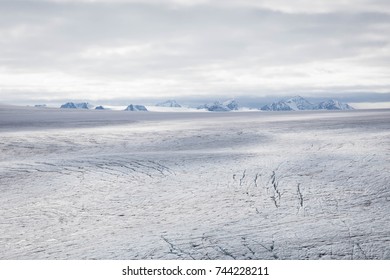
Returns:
point(86, 184)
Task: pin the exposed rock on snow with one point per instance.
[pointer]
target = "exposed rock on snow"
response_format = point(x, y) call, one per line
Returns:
point(295, 103)
point(132, 107)
point(100, 108)
point(299, 103)
point(217, 106)
point(332, 104)
point(231, 104)
point(69, 105)
point(72, 105)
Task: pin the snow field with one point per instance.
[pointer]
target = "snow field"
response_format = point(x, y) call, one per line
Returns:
point(196, 186)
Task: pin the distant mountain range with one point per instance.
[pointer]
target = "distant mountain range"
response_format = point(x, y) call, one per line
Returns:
point(298, 103)
point(169, 103)
point(132, 107)
point(217, 106)
point(82, 105)
point(333, 105)
point(71, 105)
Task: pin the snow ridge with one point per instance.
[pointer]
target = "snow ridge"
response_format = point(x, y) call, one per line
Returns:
point(298, 103)
point(169, 103)
point(332, 104)
point(132, 107)
point(72, 105)
point(217, 106)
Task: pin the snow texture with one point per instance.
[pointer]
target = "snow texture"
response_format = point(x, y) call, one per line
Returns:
point(250, 185)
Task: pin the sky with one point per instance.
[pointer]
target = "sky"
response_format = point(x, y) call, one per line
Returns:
point(123, 49)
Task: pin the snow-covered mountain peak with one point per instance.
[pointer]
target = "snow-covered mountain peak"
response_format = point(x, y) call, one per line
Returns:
point(169, 103)
point(298, 103)
point(333, 104)
point(132, 107)
point(72, 105)
point(231, 104)
point(295, 103)
point(218, 106)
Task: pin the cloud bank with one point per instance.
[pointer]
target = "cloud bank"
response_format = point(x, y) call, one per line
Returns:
point(134, 49)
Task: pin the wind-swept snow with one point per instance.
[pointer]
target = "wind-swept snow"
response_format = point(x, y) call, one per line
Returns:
point(91, 184)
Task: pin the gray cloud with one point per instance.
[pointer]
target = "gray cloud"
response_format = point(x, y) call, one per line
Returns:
point(125, 49)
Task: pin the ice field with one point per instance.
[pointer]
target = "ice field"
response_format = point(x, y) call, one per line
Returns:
point(247, 185)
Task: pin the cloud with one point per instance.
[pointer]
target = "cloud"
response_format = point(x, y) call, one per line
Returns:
point(124, 49)
point(285, 6)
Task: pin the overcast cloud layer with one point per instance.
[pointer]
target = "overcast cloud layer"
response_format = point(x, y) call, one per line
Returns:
point(176, 48)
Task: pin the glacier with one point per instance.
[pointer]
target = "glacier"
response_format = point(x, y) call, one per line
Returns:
point(84, 184)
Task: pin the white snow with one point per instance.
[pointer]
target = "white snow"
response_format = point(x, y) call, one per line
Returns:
point(371, 105)
point(249, 185)
point(172, 109)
